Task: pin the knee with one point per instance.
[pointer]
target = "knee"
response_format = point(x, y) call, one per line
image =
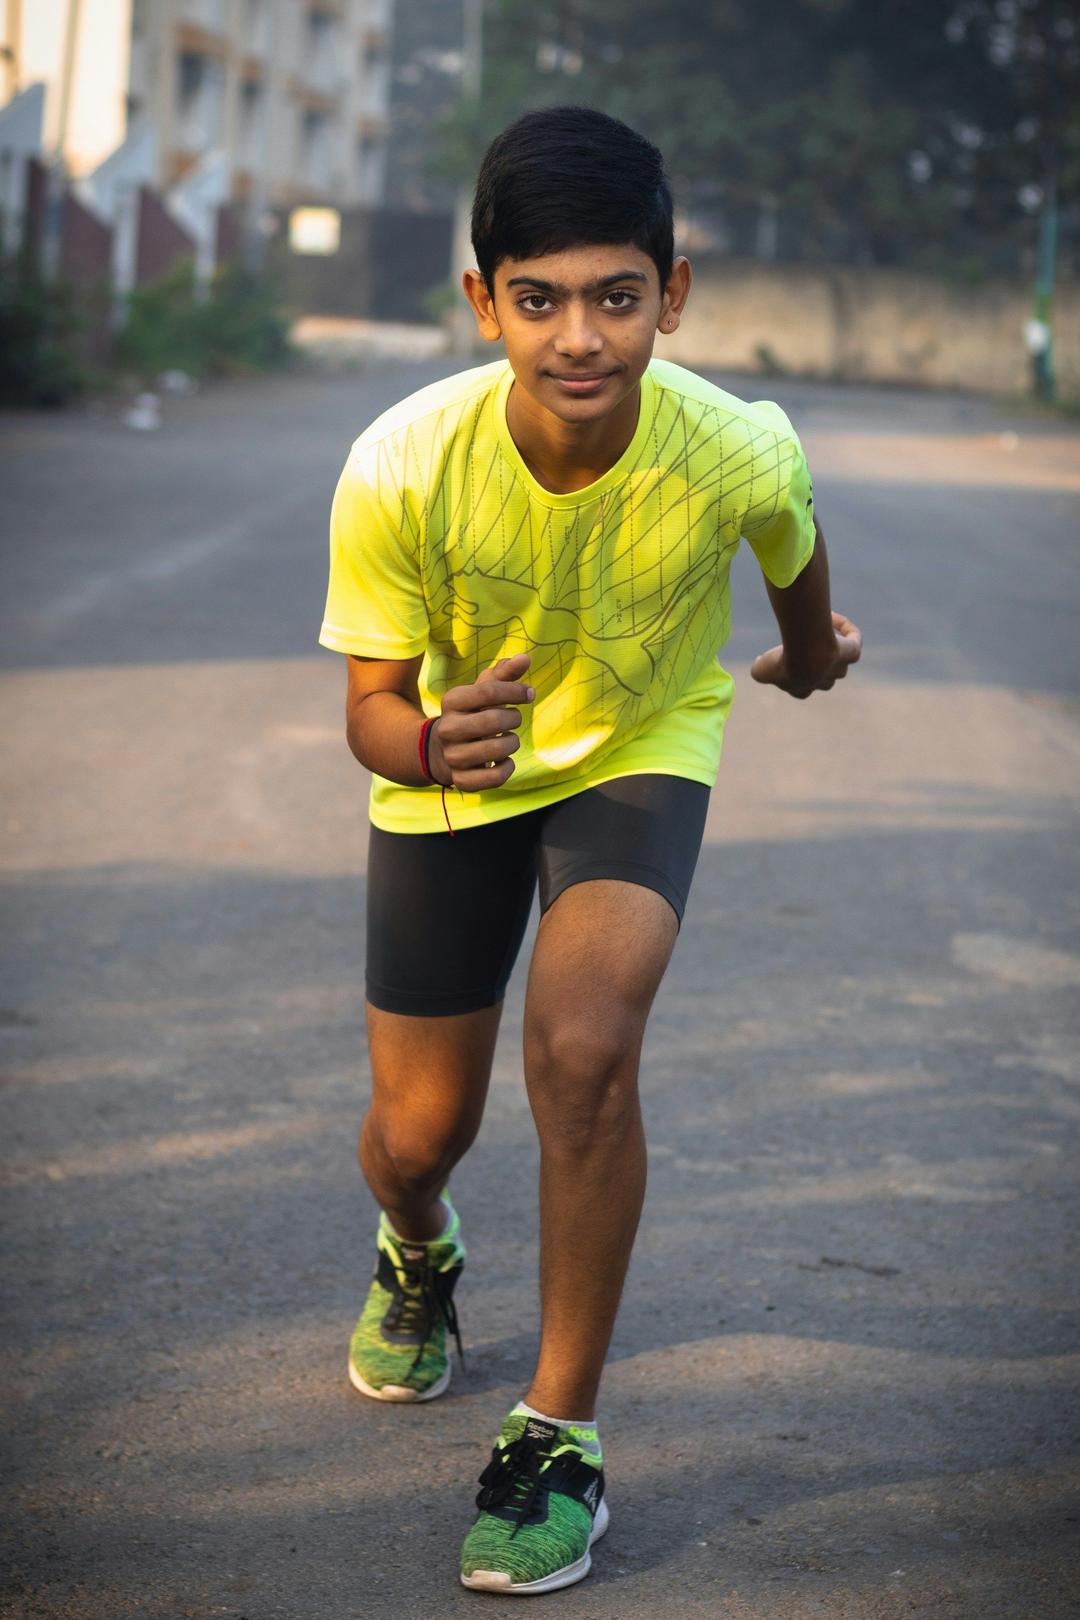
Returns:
point(583, 1079)
point(582, 1053)
point(422, 1156)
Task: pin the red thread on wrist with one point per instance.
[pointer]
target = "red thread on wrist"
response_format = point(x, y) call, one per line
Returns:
point(424, 745)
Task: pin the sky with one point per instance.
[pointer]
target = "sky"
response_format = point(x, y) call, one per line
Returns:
point(96, 119)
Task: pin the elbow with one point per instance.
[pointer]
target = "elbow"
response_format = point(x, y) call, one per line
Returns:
point(354, 734)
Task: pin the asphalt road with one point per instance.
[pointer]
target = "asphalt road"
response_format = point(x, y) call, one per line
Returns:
point(845, 1378)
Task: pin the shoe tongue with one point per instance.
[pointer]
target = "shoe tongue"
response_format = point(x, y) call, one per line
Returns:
point(413, 1254)
point(536, 1429)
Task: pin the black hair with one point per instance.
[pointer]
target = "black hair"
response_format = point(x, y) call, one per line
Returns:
point(568, 177)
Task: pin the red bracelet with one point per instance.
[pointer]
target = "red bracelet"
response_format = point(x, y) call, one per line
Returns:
point(425, 764)
point(424, 745)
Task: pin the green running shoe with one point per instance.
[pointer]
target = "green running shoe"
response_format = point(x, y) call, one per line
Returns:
point(398, 1348)
point(541, 1508)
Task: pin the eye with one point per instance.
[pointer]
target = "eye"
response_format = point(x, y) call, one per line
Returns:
point(534, 303)
point(626, 299)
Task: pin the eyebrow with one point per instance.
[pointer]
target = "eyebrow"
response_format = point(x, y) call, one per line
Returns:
point(591, 286)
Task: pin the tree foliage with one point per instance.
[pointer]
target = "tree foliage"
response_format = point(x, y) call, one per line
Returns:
point(884, 131)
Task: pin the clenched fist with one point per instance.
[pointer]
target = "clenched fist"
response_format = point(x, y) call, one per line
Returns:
point(772, 669)
point(472, 740)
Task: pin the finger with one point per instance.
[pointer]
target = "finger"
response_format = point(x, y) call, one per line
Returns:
point(478, 781)
point(850, 647)
point(467, 756)
point(487, 693)
point(506, 669)
point(468, 724)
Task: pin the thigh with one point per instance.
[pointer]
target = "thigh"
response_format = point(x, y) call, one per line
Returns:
point(601, 951)
point(600, 955)
point(615, 868)
point(429, 1076)
point(446, 916)
point(644, 829)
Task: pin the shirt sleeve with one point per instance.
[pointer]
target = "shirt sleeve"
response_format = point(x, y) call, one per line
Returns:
point(780, 531)
point(375, 605)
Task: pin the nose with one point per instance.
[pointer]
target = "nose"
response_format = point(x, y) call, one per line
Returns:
point(578, 337)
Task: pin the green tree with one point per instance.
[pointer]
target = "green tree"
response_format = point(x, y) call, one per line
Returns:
point(902, 131)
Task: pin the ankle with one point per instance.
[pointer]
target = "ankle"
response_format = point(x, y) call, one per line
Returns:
point(529, 1410)
point(424, 1224)
point(552, 1404)
point(583, 1431)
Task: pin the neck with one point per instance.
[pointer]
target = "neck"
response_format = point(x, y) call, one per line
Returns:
point(567, 456)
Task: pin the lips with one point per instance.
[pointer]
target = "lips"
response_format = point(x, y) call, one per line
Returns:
point(581, 382)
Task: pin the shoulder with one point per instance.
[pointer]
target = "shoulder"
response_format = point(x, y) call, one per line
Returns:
point(433, 411)
point(755, 418)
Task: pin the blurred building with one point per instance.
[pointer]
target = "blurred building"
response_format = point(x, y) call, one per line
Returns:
point(428, 63)
point(289, 97)
point(21, 124)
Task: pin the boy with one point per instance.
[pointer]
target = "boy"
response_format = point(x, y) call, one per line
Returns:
point(528, 574)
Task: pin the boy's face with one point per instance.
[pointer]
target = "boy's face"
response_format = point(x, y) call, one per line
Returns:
point(579, 325)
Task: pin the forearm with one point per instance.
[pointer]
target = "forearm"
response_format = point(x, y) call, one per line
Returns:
point(803, 611)
point(475, 734)
point(383, 732)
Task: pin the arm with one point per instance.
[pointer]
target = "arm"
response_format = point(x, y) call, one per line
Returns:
point(383, 717)
point(477, 726)
point(817, 644)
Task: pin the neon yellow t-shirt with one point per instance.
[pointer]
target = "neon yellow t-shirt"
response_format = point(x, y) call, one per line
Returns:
point(443, 543)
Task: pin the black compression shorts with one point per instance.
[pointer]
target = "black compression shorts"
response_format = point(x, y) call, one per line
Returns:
point(446, 916)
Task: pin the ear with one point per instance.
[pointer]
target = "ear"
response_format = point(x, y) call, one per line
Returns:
point(483, 305)
point(675, 295)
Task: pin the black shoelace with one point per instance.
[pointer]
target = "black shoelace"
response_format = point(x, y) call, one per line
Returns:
point(427, 1296)
point(512, 1479)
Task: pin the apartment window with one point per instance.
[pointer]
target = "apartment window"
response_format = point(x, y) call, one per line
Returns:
point(191, 75)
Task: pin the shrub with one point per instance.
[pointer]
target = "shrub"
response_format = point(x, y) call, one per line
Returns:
point(40, 330)
point(236, 327)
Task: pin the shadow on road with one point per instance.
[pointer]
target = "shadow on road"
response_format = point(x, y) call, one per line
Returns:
point(847, 1309)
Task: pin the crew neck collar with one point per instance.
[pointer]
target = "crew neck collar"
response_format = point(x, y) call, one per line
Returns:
point(589, 492)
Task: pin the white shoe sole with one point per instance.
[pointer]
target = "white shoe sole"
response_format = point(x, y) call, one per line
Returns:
point(496, 1580)
point(398, 1392)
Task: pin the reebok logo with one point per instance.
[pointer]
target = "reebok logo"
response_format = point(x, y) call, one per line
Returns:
point(540, 1431)
point(590, 1495)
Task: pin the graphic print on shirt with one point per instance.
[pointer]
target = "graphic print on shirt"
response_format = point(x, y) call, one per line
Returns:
point(443, 542)
point(619, 600)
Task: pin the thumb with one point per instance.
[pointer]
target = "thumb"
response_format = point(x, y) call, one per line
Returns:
point(512, 668)
point(766, 665)
point(850, 646)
